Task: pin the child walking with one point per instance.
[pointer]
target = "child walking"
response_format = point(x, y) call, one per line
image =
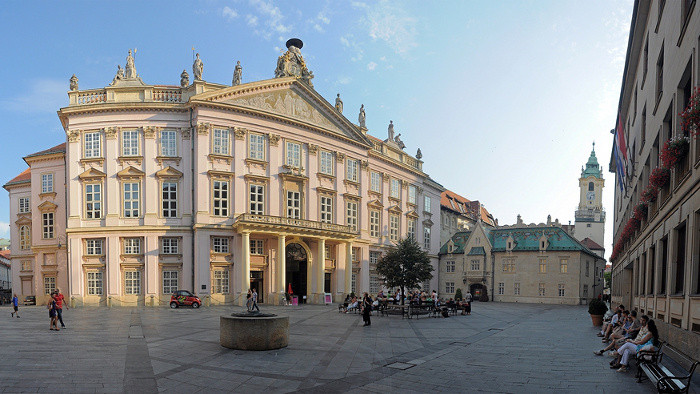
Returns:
point(53, 315)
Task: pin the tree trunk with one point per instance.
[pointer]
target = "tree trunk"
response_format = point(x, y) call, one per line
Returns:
point(402, 296)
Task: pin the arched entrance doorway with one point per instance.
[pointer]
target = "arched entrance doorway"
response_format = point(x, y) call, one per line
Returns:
point(296, 270)
point(478, 291)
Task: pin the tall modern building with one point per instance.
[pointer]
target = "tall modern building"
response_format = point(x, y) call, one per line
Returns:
point(656, 254)
point(215, 189)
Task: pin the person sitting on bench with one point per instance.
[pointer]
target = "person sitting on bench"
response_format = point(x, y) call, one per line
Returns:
point(647, 339)
point(628, 331)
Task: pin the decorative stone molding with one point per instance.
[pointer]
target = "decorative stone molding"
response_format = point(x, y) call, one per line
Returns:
point(130, 173)
point(150, 131)
point(313, 149)
point(385, 176)
point(92, 173)
point(111, 132)
point(404, 184)
point(274, 139)
point(364, 164)
point(219, 159)
point(168, 173)
point(254, 163)
point(73, 135)
point(340, 157)
point(203, 128)
point(185, 131)
point(240, 133)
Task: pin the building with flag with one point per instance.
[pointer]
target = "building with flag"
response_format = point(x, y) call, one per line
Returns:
point(656, 162)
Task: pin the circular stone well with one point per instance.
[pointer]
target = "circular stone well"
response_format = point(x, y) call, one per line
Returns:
point(250, 331)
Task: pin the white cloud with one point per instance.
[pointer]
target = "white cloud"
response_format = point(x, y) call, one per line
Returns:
point(42, 95)
point(323, 18)
point(229, 13)
point(349, 42)
point(4, 230)
point(252, 20)
point(318, 28)
point(344, 80)
point(272, 18)
point(391, 24)
point(371, 66)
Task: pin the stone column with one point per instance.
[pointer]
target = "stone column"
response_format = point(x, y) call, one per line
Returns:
point(245, 268)
point(321, 269)
point(348, 267)
point(281, 265)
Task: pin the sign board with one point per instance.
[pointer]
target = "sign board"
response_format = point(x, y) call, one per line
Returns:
point(327, 298)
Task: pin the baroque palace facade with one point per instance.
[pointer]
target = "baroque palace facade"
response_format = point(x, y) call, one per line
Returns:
point(656, 265)
point(215, 189)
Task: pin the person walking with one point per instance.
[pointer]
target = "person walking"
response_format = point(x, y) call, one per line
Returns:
point(366, 309)
point(15, 306)
point(59, 306)
point(255, 301)
point(468, 299)
point(53, 315)
point(249, 300)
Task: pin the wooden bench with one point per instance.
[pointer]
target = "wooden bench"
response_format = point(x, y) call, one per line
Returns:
point(420, 309)
point(649, 364)
point(391, 309)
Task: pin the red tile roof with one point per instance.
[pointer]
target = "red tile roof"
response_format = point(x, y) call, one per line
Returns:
point(25, 176)
point(56, 149)
point(5, 254)
point(591, 244)
point(459, 204)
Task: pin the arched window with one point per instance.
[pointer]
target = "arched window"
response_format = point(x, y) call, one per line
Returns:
point(25, 239)
point(590, 186)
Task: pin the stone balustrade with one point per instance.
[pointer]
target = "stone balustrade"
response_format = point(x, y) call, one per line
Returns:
point(299, 223)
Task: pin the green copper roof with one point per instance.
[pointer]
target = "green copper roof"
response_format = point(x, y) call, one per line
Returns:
point(477, 251)
point(592, 167)
point(528, 239)
point(459, 240)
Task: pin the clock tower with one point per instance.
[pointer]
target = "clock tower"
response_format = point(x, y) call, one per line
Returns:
point(590, 216)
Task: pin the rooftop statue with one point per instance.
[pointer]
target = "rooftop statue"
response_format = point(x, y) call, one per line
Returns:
point(399, 142)
point(292, 64)
point(198, 68)
point(119, 76)
point(419, 155)
point(237, 74)
point(184, 78)
point(130, 68)
point(339, 104)
point(391, 130)
point(73, 83)
point(361, 117)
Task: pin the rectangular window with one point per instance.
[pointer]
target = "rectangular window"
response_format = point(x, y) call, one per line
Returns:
point(561, 290)
point(47, 225)
point(326, 209)
point(130, 143)
point(508, 265)
point(93, 247)
point(257, 199)
point(660, 75)
point(24, 206)
point(411, 230)
point(542, 290)
point(587, 268)
point(46, 183)
point(168, 143)
point(449, 287)
point(412, 194)
point(132, 282)
point(293, 205)
point(93, 201)
point(543, 266)
point(131, 200)
point(516, 289)
point(26, 266)
point(170, 284)
point(449, 266)
point(132, 245)
point(220, 282)
point(326, 159)
point(351, 214)
point(374, 223)
point(563, 266)
point(49, 284)
point(170, 245)
point(374, 281)
point(426, 204)
point(257, 247)
point(169, 199)
point(475, 265)
point(395, 190)
point(394, 227)
point(220, 245)
point(293, 154)
point(376, 182)
point(94, 283)
point(352, 167)
point(91, 145)
point(220, 198)
point(501, 288)
point(25, 238)
point(221, 142)
point(256, 146)
point(426, 238)
point(585, 291)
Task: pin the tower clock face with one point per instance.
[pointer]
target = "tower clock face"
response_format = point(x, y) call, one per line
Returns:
point(590, 196)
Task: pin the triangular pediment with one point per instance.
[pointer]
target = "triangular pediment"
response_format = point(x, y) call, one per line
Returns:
point(290, 100)
point(130, 172)
point(395, 209)
point(168, 172)
point(47, 206)
point(92, 173)
point(412, 214)
point(375, 204)
point(23, 220)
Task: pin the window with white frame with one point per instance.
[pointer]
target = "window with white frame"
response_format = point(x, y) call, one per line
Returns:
point(94, 283)
point(221, 142)
point(170, 282)
point(93, 200)
point(91, 145)
point(132, 245)
point(375, 182)
point(516, 288)
point(352, 170)
point(220, 281)
point(395, 190)
point(131, 199)
point(475, 265)
point(426, 204)
point(412, 194)
point(561, 290)
point(351, 214)
point(326, 159)
point(132, 282)
point(169, 199)
point(256, 146)
point(170, 245)
point(326, 209)
point(374, 223)
point(542, 290)
point(393, 227)
point(411, 224)
point(168, 143)
point(257, 199)
point(47, 225)
point(426, 237)
point(563, 266)
point(25, 238)
point(220, 245)
point(130, 143)
point(46, 183)
point(257, 246)
point(24, 206)
point(293, 154)
point(293, 205)
point(93, 247)
point(49, 284)
point(449, 287)
point(449, 266)
point(220, 198)
point(374, 281)
point(501, 288)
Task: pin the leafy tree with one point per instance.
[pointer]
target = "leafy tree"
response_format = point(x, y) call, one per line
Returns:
point(458, 294)
point(607, 276)
point(406, 266)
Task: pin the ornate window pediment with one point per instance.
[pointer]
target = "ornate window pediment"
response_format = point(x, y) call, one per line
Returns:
point(25, 220)
point(130, 172)
point(92, 173)
point(169, 172)
point(375, 204)
point(412, 214)
point(427, 223)
point(47, 206)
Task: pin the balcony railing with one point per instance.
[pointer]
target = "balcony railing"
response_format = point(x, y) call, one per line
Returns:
point(167, 95)
point(91, 96)
point(298, 223)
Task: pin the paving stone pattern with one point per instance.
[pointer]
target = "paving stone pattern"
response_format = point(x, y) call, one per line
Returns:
point(510, 348)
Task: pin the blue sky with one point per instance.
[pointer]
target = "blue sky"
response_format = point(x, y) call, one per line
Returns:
point(503, 98)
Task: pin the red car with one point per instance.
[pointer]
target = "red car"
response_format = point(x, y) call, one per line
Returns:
point(184, 297)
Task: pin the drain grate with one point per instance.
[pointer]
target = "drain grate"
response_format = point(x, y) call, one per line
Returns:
point(401, 366)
